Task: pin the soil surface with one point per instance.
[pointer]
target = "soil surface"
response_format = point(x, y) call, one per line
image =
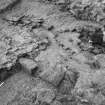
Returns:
point(52, 52)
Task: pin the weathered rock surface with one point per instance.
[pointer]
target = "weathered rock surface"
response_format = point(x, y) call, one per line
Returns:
point(52, 52)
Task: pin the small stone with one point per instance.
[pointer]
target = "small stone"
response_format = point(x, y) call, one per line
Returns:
point(104, 36)
point(44, 103)
point(53, 76)
point(28, 65)
point(103, 91)
point(98, 99)
point(45, 95)
point(68, 83)
point(65, 87)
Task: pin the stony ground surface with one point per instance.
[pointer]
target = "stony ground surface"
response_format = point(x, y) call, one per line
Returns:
point(51, 56)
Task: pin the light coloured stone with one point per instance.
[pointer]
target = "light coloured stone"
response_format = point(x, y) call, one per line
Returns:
point(28, 65)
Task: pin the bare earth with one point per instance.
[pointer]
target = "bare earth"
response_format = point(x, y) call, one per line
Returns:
point(50, 54)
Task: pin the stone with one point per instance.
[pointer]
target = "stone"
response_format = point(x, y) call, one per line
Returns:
point(68, 83)
point(4, 4)
point(28, 65)
point(53, 76)
point(56, 103)
point(45, 95)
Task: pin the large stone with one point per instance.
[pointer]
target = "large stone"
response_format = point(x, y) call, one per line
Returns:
point(53, 76)
point(28, 65)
